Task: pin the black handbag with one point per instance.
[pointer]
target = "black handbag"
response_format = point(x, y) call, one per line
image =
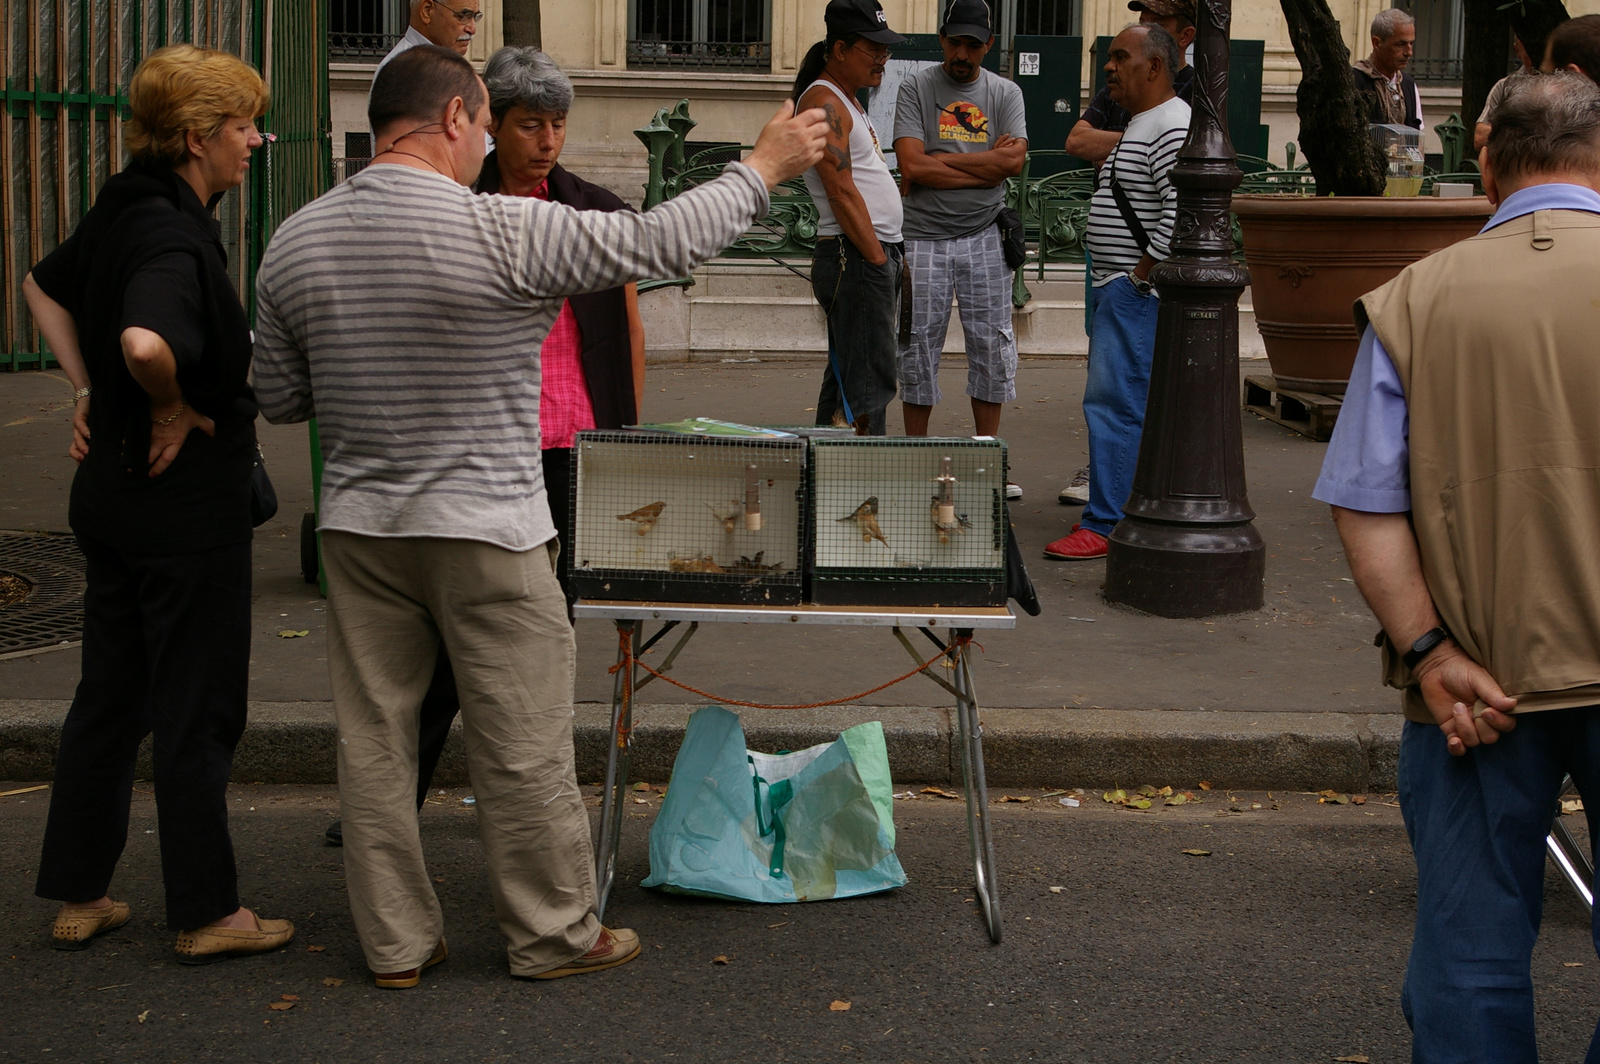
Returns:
point(263, 499)
point(1013, 241)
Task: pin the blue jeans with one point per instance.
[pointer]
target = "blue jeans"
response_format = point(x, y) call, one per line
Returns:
point(1120, 353)
point(1477, 826)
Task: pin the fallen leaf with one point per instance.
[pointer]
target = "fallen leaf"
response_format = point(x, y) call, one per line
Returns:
point(145, 1015)
point(291, 997)
point(1198, 853)
point(940, 792)
point(316, 949)
point(1165, 792)
point(719, 959)
point(641, 801)
point(1118, 795)
point(333, 980)
point(281, 1006)
point(1205, 785)
point(1148, 791)
point(1057, 890)
point(839, 1006)
point(1572, 964)
point(1359, 1058)
point(1016, 798)
point(1176, 799)
point(290, 633)
point(1139, 803)
point(641, 786)
point(1571, 805)
point(1358, 799)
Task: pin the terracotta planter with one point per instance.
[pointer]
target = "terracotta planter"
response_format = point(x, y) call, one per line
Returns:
point(1311, 257)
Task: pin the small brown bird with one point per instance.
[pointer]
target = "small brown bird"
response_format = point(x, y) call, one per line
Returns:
point(866, 519)
point(645, 517)
point(728, 514)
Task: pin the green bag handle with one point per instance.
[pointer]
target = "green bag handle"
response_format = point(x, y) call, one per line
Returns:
point(778, 796)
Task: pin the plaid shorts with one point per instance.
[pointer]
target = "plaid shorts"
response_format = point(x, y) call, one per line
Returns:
point(972, 269)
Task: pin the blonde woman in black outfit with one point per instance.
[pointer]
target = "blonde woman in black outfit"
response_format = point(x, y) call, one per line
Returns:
point(138, 308)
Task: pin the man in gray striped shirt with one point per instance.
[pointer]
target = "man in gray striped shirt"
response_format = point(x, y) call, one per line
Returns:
point(406, 313)
point(1130, 230)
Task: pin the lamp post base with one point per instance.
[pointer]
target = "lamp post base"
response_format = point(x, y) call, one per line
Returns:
point(1186, 570)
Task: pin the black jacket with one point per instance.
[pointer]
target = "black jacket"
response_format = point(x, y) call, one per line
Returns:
point(1369, 88)
point(203, 499)
point(602, 316)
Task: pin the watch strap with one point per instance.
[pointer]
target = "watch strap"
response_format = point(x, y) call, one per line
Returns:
point(1425, 644)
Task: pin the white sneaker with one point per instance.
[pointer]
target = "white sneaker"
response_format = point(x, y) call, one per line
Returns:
point(1076, 493)
point(1013, 491)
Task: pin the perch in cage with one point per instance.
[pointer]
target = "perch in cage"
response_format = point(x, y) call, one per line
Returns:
point(908, 522)
point(660, 516)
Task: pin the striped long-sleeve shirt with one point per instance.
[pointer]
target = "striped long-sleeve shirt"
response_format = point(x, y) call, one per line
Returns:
point(405, 314)
point(1142, 162)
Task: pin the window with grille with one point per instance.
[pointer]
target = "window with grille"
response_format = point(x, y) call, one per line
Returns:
point(362, 30)
point(1053, 18)
point(700, 35)
point(1440, 26)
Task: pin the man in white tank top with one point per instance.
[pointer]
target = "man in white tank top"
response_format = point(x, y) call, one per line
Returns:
point(856, 271)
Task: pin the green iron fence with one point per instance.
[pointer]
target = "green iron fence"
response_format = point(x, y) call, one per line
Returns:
point(66, 66)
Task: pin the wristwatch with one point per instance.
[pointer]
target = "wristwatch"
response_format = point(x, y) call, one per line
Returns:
point(1425, 644)
point(1144, 288)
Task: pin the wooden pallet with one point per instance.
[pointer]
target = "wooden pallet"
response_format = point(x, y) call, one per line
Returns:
point(1307, 413)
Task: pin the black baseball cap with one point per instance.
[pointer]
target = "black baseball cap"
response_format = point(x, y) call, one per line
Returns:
point(967, 18)
point(864, 18)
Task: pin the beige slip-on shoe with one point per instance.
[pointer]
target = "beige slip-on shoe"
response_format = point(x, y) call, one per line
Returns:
point(211, 943)
point(412, 976)
point(76, 924)
point(612, 948)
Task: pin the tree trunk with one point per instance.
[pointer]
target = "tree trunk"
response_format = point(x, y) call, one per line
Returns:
point(1486, 55)
point(521, 22)
point(1333, 117)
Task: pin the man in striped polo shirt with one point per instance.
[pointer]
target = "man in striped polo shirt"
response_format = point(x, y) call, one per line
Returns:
point(1130, 230)
point(406, 314)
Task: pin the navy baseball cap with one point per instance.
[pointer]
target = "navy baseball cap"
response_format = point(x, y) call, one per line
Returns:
point(864, 18)
point(967, 18)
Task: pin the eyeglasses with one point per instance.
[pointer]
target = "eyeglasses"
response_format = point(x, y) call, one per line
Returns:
point(462, 15)
point(876, 51)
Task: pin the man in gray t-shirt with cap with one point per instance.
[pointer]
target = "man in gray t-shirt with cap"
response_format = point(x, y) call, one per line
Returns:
point(959, 132)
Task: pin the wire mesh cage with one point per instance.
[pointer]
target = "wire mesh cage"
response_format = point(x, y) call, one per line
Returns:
point(908, 521)
point(666, 517)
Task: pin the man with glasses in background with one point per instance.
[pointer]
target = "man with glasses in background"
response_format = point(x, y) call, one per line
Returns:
point(447, 23)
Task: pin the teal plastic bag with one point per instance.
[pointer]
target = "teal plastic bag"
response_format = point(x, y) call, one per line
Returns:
point(804, 826)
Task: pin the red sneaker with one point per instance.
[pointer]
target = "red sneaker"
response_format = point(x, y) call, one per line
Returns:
point(1080, 545)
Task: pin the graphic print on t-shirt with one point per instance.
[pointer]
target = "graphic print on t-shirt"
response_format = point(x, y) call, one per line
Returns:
point(963, 121)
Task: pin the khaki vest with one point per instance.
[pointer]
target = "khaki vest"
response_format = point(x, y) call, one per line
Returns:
point(1496, 340)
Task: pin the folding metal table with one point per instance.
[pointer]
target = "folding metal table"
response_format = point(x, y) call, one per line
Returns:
point(632, 617)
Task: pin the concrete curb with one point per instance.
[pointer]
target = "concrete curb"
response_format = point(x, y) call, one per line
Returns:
point(293, 742)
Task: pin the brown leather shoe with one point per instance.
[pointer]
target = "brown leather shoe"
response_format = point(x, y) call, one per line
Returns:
point(610, 949)
point(211, 943)
point(412, 976)
point(76, 924)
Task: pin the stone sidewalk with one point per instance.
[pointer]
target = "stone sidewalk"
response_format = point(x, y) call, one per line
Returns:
point(1085, 694)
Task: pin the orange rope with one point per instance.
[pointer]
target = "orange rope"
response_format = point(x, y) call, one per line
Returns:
point(629, 659)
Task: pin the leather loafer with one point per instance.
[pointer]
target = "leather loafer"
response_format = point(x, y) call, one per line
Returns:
point(412, 976)
point(211, 943)
point(76, 925)
point(610, 949)
point(1081, 545)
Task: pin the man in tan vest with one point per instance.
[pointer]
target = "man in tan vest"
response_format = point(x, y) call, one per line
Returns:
point(1465, 482)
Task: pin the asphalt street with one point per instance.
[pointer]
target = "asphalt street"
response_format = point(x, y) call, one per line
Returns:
point(1285, 943)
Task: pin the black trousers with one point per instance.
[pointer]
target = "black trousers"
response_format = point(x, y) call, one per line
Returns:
point(166, 652)
point(440, 705)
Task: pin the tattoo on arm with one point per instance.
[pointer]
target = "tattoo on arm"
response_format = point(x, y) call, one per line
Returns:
point(841, 158)
point(835, 120)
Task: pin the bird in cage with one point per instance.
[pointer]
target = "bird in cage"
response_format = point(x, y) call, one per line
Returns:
point(866, 519)
point(958, 526)
point(645, 517)
point(755, 565)
point(728, 513)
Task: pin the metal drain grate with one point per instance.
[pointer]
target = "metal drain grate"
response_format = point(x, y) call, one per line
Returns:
point(52, 612)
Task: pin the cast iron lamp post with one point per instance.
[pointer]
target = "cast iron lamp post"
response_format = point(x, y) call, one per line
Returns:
point(1186, 546)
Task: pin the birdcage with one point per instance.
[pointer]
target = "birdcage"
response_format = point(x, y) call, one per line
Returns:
point(908, 521)
point(660, 516)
